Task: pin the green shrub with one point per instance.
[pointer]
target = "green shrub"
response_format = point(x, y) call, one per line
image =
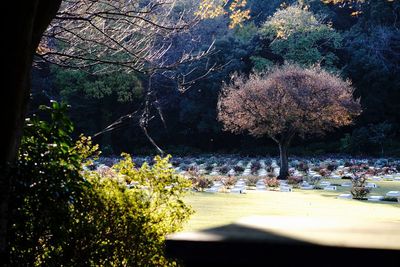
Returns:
point(358, 190)
point(64, 214)
point(130, 225)
point(46, 183)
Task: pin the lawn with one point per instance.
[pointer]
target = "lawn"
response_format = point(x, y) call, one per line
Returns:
point(216, 209)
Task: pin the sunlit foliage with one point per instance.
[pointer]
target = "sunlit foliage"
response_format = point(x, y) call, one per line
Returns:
point(63, 212)
point(297, 35)
point(236, 10)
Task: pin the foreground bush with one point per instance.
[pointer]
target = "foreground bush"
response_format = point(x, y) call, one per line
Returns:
point(130, 225)
point(65, 215)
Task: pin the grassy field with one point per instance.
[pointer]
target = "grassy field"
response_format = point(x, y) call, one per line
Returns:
point(223, 208)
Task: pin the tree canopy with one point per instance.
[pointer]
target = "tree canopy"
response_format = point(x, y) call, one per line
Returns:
point(287, 101)
point(297, 35)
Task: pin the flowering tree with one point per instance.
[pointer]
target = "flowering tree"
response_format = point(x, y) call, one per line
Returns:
point(288, 101)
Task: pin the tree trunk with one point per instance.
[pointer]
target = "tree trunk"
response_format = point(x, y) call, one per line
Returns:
point(29, 20)
point(284, 166)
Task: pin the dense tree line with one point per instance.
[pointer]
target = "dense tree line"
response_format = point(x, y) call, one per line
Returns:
point(359, 41)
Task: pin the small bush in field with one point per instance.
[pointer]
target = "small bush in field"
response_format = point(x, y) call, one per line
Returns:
point(229, 181)
point(358, 190)
point(209, 168)
point(255, 166)
point(199, 182)
point(272, 182)
point(294, 180)
point(303, 167)
point(252, 180)
point(323, 172)
point(238, 169)
point(331, 167)
point(223, 169)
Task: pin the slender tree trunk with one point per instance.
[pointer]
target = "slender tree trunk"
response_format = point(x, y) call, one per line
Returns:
point(284, 164)
point(29, 20)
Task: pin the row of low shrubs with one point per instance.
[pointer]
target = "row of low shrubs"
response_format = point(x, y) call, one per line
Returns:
point(64, 214)
point(200, 182)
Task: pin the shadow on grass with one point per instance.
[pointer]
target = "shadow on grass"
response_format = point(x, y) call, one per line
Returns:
point(238, 245)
